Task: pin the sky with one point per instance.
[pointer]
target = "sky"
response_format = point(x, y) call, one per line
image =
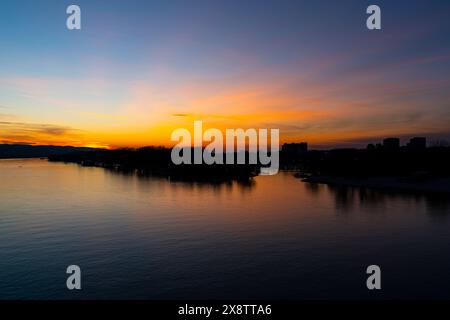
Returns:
point(137, 70)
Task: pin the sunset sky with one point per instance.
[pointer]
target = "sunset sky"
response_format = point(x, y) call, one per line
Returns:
point(139, 69)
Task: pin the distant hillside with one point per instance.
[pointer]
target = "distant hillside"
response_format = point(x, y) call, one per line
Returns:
point(8, 151)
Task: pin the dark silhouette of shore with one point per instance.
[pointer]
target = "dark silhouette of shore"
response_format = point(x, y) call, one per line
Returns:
point(11, 151)
point(386, 165)
point(157, 161)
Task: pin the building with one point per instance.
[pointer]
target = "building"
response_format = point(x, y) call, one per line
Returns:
point(391, 143)
point(417, 143)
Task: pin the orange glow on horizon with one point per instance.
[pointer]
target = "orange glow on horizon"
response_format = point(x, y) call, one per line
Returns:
point(317, 114)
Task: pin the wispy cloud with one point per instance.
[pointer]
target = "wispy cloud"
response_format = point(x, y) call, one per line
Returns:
point(181, 115)
point(36, 133)
point(48, 129)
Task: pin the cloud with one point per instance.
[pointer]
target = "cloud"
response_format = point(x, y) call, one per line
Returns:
point(181, 115)
point(36, 133)
point(48, 129)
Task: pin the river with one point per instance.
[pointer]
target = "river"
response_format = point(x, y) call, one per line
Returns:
point(276, 237)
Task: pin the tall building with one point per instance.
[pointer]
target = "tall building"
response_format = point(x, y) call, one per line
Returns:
point(391, 143)
point(418, 143)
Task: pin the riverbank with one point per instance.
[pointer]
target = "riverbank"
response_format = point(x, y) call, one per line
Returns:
point(157, 161)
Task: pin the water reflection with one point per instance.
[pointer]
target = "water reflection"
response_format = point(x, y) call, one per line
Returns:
point(142, 236)
point(346, 199)
point(243, 184)
point(349, 199)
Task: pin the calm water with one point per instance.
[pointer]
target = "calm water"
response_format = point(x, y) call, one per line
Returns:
point(278, 237)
